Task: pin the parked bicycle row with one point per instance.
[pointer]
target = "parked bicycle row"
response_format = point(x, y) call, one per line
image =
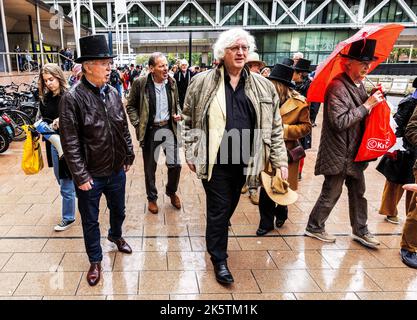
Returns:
point(19, 104)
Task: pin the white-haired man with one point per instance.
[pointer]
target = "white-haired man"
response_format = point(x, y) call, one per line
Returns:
point(346, 106)
point(183, 77)
point(223, 104)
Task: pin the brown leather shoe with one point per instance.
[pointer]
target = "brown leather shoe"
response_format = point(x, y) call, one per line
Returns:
point(152, 207)
point(175, 201)
point(121, 244)
point(93, 274)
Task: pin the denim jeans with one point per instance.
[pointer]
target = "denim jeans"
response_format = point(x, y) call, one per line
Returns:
point(67, 190)
point(113, 188)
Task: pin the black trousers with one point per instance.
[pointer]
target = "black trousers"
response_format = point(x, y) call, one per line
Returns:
point(157, 137)
point(222, 197)
point(268, 210)
point(314, 111)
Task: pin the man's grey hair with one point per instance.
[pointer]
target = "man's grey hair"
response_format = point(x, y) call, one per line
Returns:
point(298, 55)
point(154, 56)
point(229, 38)
point(345, 63)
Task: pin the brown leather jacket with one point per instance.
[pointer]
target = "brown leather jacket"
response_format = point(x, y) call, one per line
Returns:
point(94, 135)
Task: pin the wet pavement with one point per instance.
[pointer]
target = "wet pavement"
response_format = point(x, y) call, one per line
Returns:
point(169, 260)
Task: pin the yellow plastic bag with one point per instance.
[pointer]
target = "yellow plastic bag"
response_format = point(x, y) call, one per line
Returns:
point(32, 161)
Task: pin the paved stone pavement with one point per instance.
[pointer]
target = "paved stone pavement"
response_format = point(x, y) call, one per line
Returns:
point(169, 259)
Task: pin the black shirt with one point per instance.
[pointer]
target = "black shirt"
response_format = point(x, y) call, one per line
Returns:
point(49, 107)
point(240, 123)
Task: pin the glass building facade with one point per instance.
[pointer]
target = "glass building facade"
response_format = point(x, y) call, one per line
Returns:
point(273, 44)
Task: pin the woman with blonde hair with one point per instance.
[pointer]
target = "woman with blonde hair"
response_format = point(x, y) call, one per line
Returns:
point(52, 84)
point(296, 122)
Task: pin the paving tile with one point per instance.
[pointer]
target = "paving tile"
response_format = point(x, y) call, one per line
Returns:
point(160, 230)
point(166, 244)
point(139, 297)
point(33, 262)
point(390, 258)
point(387, 295)
point(49, 284)
point(200, 297)
point(285, 281)
point(299, 260)
point(4, 230)
point(263, 243)
point(189, 261)
point(326, 296)
point(21, 245)
point(306, 243)
point(79, 262)
point(168, 282)
point(30, 231)
point(74, 298)
point(11, 219)
point(244, 282)
point(64, 245)
point(394, 279)
point(4, 257)
point(21, 298)
point(351, 259)
point(9, 283)
point(343, 280)
point(241, 260)
point(263, 296)
point(111, 283)
point(199, 244)
point(138, 261)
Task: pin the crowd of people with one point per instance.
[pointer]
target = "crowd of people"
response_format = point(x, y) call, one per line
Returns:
point(243, 127)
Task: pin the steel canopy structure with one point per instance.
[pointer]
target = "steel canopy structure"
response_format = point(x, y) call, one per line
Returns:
point(300, 14)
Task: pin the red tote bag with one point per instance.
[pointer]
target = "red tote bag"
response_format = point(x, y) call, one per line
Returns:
point(378, 137)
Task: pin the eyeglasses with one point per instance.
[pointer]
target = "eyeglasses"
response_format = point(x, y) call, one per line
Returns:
point(103, 64)
point(235, 49)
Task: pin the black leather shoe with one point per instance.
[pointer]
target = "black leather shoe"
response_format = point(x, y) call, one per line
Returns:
point(223, 274)
point(121, 244)
point(279, 223)
point(261, 232)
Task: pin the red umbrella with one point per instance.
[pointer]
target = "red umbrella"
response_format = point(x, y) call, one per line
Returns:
point(386, 35)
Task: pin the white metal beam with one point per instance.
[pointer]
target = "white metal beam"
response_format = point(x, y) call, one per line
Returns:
point(375, 10)
point(232, 12)
point(343, 5)
point(163, 13)
point(245, 13)
point(203, 12)
point(316, 12)
point(408, 10)
point(149, 14)
point(288, 12)
point(274, 11)
point(361, 11)
point(303, 11)
point(93, 23)
point(176, 13)
point(218, 12)
point(259, 11)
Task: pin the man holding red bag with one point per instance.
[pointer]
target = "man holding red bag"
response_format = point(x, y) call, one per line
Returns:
point(346, 107)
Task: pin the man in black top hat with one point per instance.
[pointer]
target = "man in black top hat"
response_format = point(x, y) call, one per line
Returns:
point(346, 106)
point(97, 148)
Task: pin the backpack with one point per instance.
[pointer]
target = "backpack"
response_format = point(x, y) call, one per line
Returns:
point(114, 77)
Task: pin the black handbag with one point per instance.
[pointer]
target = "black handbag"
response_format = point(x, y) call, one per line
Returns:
point(398, 169)
point(296, 154)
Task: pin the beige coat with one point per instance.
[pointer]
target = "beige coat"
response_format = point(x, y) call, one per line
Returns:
point(295, 115)
point(205, 109)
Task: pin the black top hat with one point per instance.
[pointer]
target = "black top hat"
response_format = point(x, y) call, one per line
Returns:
point(288, 62)
point(415, 83)
point(282, 73)
point(93, 48)
point(302, 65)
point(362, 50)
